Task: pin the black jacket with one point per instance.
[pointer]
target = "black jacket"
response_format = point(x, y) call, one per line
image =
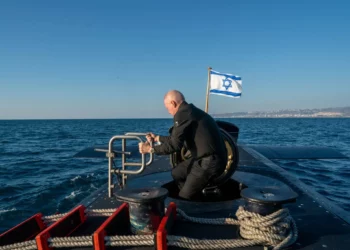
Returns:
point(198, 129)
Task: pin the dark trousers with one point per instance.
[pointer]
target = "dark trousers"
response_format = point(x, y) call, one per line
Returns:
point(193, 175)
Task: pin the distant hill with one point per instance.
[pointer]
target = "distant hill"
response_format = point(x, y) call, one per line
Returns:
point(326, 112)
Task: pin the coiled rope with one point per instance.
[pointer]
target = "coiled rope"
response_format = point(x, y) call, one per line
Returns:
point(254, 228)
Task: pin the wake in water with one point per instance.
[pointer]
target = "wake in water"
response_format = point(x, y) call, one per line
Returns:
point(7, 210)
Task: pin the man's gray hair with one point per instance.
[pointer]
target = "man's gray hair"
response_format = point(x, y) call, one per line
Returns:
point(175, 95)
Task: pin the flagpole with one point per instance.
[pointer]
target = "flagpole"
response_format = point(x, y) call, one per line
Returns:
point(208, 87)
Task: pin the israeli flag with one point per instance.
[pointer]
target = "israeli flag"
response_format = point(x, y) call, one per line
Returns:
point(225, 84)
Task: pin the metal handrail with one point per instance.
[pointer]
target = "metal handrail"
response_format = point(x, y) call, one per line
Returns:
point(142, 134)
point(111, 154)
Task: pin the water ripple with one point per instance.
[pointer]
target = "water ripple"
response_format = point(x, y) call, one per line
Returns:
point(38, 171)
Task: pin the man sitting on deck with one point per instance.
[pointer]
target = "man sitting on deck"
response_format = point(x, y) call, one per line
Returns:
point(203, 139)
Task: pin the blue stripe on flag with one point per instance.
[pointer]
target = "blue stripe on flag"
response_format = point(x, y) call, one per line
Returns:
point(223, 92)
point(230, 76)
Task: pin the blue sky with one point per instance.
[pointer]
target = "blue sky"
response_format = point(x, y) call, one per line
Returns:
point(116, 59)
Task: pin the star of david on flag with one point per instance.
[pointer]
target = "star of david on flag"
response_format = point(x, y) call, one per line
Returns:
point(225, 84)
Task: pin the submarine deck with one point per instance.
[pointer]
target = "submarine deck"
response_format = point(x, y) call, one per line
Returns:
point(321, 224)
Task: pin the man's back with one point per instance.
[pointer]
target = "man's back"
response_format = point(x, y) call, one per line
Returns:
point(203, 136)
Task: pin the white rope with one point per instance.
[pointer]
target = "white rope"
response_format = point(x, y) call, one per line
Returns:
point(33, 247)
point(118, 240)
point(69, 239)
point(272, 228)
point(89, 212)
point(130, 240)
point(214, 221)
point(191, 243)
point(54, 216)
point(99, 214)
point(131, 243)
point(72, 244)
point(26, 245)
point(129, 237)
point(110, 210)
point(77, 241)
point(254, 228)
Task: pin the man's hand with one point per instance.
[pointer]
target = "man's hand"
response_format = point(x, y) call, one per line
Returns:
point(152, 137)
point(144, 147)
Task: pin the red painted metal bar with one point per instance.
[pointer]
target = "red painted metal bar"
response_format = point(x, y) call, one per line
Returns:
point(118, 221)
point(24, 231)
point(165, 226)
point(62, 228)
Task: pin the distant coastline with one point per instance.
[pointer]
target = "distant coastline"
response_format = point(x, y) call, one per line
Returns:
point(342, 112)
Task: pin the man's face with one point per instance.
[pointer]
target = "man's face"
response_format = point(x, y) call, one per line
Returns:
point(170, 106)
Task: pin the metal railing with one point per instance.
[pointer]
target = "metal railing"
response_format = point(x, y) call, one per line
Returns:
point(111, 154)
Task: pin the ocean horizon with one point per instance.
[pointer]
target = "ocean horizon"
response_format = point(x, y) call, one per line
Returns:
point(164, 118)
